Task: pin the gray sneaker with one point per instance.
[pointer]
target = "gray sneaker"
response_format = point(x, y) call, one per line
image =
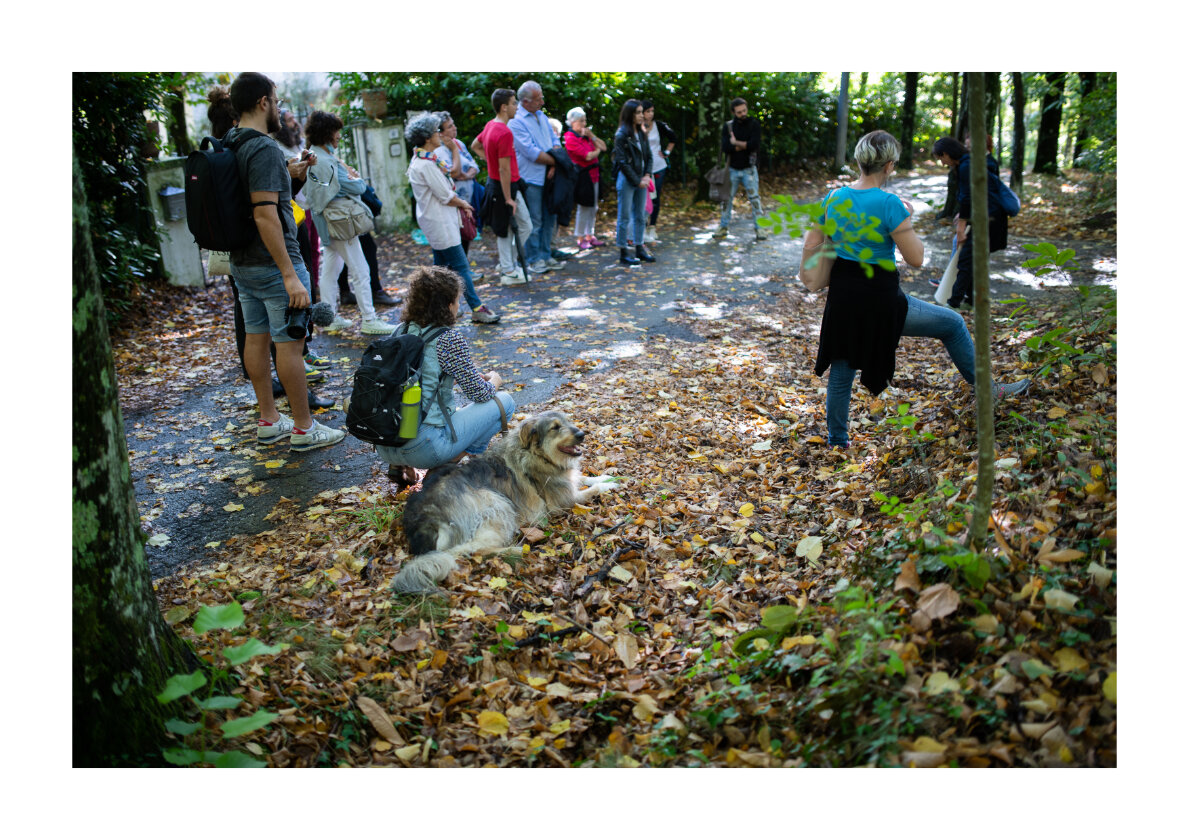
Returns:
point(998, 391)
point(314, 437)
point(552, 264)
point(484, 315)
point(375, 326)
point(539, 267)
point(761, 234)
point(721, 232)
point(274, 433)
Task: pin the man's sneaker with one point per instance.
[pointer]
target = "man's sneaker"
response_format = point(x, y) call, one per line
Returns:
point(476, 276)
point(998, 391)
point(761, 234)
point(934, 283)
point(552, 264)
point(558, 254)
point(313, 374)
point(314, 360)
point(539, 267)
point(516, 278)
point(721, 232)
point(269, 433)
point(483, 315)
point(374, 326)
point(315, 436)
point(339, 323)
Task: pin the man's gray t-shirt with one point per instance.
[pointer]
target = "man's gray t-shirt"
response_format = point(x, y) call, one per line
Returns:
point(262, 169)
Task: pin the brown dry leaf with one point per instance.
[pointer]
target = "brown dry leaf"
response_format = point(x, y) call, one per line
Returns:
point(532, 536)
point(908, 577)
point(938, 601)
point(379, 719)
point(626, 649)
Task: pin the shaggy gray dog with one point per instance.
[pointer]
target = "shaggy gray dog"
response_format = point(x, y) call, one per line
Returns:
point(520, 479)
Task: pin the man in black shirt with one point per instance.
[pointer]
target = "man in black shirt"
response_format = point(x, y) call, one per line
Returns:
point(741, 142)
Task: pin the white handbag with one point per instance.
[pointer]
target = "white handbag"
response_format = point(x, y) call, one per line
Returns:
point(947, 280)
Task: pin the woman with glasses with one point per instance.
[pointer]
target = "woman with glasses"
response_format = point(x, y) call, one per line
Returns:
point(439, 206)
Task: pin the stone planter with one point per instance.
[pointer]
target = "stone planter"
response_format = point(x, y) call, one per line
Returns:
point(375, 104)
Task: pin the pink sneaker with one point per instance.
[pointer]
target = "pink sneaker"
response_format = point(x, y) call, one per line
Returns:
point(596, 242)
point(584, 245)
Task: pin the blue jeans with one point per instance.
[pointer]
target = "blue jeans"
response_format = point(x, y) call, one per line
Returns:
point(750, 179)
point(263, 298)
point(475, 425)
point(926, 320)
point(456, 259)
point(629, 219)
point(540, 241)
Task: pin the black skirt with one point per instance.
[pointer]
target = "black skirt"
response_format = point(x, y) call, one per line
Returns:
point(862, 322)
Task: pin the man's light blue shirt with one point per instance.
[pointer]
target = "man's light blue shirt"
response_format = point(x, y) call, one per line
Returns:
point(532, 135)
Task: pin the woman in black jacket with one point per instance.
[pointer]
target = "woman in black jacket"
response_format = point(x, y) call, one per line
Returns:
point(632, 164)
point(661, 140)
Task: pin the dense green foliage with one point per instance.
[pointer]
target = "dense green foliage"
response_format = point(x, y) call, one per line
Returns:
point(108, 122)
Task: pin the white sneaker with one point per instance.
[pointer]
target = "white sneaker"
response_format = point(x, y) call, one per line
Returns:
point(515, 278)
point(539, 267)
point(314, 437)
point(374, 326)
point(650, 235)
point(476, 276)
point(269, 433)
point(339, 323)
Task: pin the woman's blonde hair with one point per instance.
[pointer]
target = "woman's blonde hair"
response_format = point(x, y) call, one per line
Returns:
point(875, 150)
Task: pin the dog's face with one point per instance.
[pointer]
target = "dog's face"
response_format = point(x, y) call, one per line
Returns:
point(554, 437)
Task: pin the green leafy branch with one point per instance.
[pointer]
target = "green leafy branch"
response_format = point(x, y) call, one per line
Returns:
point(856, 228)
point(200, 736)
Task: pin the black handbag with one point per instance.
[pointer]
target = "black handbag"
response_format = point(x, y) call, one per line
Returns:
point(584, 191)
point(372, 201)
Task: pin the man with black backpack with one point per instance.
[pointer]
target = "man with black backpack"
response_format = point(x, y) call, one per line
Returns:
point(269, 272)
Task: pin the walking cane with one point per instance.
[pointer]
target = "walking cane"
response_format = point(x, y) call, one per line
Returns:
point(519, 247)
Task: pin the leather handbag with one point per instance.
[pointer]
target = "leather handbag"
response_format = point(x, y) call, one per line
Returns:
point(816, 264)
point(347, 218)
point(467, 229)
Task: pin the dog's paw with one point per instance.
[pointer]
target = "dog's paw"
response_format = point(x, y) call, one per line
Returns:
point(602, 483)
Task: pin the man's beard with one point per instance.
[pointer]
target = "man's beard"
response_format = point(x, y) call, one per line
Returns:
point(288, 136)
point(274, 121)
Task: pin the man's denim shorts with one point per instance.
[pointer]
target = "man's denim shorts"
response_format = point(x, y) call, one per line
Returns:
point(263, 298)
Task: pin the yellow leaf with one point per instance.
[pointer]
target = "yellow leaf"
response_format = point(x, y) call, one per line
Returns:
point(1065, 555)
point(627, 649)
point(559, 727)
point(407, 753)
point(793, 641)
point(274, 465)
point(536, 682)
point(939, 682)
point(492, 723)
point(928, 745)
point(1108, 687)
point(214, 544)
point(810, 548)
point(1059, 599)
point(620, 574)
point(473, 612)
point(232, 507)
point(757, 537)
point(1068, 659)
point(498, 583)
point(985, 623)
point(556, 689)
point(760, 644)
point(581, 509)
point(1056, 412)
point(747, 510)
point(646, 708)
point(379, 719)
point(1101, 574)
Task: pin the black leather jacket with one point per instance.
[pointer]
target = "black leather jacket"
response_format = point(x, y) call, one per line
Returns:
point(634, 160)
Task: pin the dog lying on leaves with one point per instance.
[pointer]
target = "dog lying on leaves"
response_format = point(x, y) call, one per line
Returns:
point(481, 504)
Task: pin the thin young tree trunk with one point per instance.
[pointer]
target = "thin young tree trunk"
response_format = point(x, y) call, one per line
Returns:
point(123, 650)
point(843, 109)
point(982, 316)
point(908, 120)
point(1089, 82)
point(1018, 136)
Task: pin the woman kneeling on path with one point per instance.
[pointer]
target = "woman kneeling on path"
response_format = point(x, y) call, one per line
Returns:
point(865, 317)
point(445, 432)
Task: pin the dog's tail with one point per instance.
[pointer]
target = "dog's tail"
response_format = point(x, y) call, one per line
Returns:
point(424, 572)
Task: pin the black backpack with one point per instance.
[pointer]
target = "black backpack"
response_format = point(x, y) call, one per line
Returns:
point(389, 367)
point(218, 206)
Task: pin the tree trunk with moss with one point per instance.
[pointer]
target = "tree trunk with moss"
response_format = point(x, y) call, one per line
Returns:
point(123, 649)
point(1048, 137)
point(712, 113)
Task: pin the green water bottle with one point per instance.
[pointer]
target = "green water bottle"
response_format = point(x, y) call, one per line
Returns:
point(410, 412)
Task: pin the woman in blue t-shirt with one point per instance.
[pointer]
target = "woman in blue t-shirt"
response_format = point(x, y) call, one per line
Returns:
point(865, 316)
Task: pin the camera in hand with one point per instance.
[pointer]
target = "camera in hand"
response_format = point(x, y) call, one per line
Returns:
point(297, 321)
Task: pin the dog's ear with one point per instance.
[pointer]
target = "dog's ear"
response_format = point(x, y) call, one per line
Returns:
point(528, 432)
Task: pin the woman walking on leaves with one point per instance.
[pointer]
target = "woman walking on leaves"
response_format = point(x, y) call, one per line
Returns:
point(632, 163)
point(866, 312)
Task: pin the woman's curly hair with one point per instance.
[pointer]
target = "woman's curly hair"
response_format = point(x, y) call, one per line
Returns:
point(221, 112)
point(320, 128)
point(431, 291)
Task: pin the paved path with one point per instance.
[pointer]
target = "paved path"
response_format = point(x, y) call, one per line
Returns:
point(560, 324)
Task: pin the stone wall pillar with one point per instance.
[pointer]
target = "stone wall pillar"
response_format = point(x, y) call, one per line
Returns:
point(383, 161)
point(179, 252)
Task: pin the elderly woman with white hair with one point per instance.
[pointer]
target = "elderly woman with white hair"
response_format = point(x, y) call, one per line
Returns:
point(584, 149)
point(438, 208)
